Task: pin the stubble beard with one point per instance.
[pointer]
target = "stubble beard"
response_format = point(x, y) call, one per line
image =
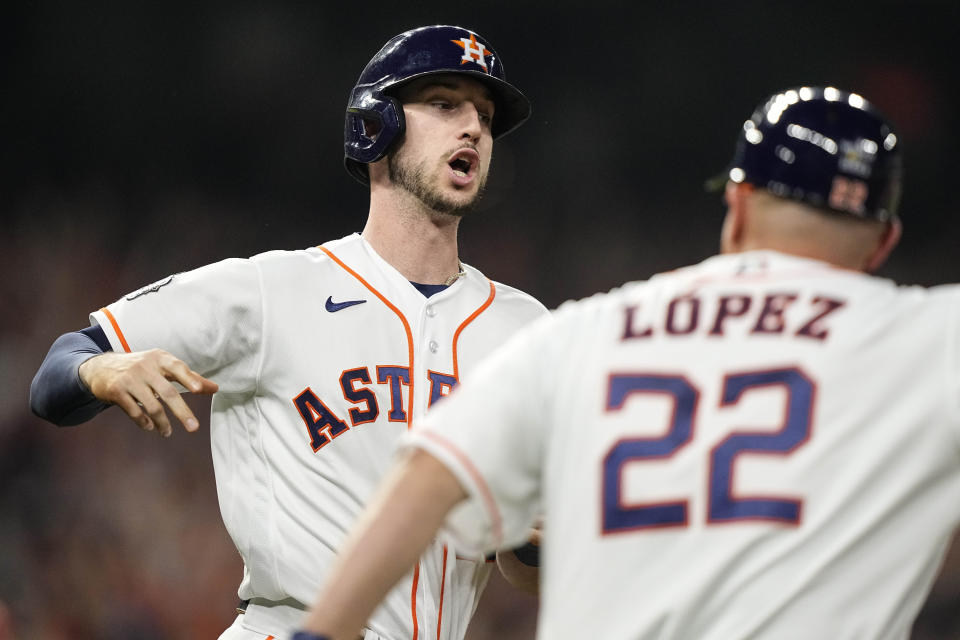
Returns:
point(412, 178)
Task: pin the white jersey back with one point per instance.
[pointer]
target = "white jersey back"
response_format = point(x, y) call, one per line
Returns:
point(758, 446)
point(323, 357)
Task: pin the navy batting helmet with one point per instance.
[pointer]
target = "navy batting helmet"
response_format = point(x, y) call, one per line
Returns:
point(822, 146)
point(414, 54)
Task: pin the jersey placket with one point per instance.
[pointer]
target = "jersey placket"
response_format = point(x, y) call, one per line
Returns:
point(434, 355)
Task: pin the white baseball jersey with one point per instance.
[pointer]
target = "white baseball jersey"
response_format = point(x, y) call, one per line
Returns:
point(323, 358)
point(759, 446)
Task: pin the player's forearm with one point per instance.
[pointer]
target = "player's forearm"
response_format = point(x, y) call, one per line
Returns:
point(385, 544)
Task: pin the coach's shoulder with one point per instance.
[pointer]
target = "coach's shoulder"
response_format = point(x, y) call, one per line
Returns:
point(942, 299)
point(946, 292)
point(599, 303)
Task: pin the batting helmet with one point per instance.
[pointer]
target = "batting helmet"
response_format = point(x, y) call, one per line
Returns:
point(824, 147)
point(414, 54)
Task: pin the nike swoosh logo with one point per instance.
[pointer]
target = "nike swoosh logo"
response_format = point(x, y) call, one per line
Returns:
point(332, 306)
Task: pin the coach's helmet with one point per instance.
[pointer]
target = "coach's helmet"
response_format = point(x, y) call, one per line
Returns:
point(823, 147)
point(414, 54)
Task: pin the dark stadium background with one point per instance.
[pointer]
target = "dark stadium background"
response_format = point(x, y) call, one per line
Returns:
point(141, 139)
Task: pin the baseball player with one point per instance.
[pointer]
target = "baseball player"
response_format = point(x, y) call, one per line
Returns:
point(762, 445)
point(319, 359)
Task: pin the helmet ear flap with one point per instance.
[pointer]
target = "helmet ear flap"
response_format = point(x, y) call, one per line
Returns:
point(369, 131)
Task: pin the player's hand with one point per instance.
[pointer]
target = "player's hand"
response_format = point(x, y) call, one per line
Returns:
point(141, 384)
point(536, 534)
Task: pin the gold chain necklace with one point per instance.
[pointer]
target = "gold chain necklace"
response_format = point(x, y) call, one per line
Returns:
point(449, 281)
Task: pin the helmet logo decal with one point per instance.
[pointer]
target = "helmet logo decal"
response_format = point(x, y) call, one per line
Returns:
point(857, 156)
point(473, 51)
point(847, 194)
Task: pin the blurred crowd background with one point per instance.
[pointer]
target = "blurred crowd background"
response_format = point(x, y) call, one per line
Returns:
point(142, 139)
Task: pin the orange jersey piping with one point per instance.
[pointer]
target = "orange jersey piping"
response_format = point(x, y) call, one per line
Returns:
point(413, 599)
point(116, 328)
point(463, 325)
point(443, 584)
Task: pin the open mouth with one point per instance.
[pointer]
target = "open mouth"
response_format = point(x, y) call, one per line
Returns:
point(461, 166)
point(464, 162)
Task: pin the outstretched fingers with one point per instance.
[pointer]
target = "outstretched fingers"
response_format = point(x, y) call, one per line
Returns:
point(132, 407)
point(176, 370)
point(144, 403)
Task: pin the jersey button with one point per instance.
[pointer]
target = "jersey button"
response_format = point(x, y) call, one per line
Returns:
point(433, 346)
point(431, 311)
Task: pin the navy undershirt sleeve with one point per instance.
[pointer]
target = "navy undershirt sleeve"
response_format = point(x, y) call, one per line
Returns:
point(56, 393)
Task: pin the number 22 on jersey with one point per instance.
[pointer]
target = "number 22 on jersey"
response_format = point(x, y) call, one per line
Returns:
point(722, 505)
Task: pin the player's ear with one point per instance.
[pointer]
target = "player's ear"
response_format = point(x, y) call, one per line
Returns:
point(731, 237)
point(888, 240)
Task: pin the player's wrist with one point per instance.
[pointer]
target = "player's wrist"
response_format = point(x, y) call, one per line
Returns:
point(306, 635)
point(528, 554)
point(83, 372)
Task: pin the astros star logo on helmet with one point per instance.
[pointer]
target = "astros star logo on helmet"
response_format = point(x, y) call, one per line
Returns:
point(473, 51)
